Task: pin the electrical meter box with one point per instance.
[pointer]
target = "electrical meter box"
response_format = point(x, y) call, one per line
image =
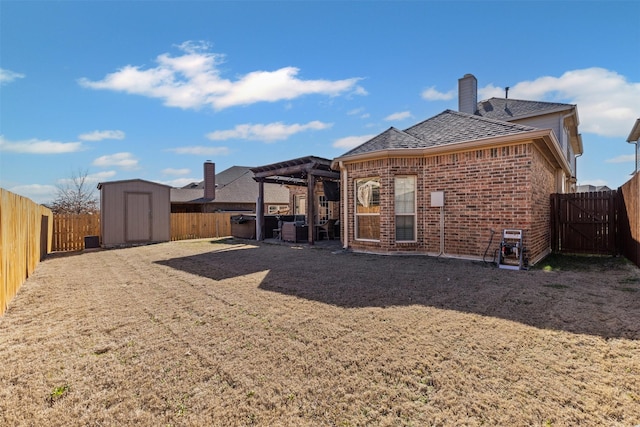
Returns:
point(437, 199)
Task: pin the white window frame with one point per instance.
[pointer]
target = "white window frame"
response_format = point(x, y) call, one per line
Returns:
point(413, 214)
point(324, 209)
point(359, 201)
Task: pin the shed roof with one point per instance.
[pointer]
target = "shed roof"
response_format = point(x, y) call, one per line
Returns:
point(124, 181)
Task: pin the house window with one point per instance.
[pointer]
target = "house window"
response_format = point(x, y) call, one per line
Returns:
point(277, 209)
point(300, 203)
point(405, 207)
point(367, 198)
point(323, 209)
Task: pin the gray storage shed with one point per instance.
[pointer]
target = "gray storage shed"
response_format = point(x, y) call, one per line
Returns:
point(134, 212)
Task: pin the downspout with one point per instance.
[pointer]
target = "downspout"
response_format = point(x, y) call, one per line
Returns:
point(345, 205)
point(576, 163)
point(637, 165)
point(567, 142)
point(260, 211)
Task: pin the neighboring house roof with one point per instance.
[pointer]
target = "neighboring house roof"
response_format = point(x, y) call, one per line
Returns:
point(591, 188)
point(513, 109)
point(223, 178)
point(448, 127)
point(186, 195)
point(233, 185)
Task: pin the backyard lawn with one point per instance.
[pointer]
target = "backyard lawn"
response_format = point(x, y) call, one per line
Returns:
point(234, 333)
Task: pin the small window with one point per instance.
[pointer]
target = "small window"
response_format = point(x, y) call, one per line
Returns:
point(277, 209)
point(367, 198)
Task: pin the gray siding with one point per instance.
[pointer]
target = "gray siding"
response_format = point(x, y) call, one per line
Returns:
point(554, 122)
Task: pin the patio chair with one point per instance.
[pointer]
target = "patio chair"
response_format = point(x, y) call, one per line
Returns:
point(327, 229)
point(277, 232)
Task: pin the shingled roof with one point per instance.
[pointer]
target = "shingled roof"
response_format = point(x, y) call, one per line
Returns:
point(448, 127)
point(511, 109)
point(233, 185)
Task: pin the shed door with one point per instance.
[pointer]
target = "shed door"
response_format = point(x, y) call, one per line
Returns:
point(137, 217)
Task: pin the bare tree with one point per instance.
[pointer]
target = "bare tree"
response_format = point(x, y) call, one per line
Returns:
point(75, 196)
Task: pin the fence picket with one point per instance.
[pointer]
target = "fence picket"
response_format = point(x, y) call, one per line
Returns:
point(25, 239)
point(69, 231)
point(629, 219)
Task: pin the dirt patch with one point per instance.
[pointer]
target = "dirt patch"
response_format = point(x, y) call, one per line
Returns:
point(238, 333)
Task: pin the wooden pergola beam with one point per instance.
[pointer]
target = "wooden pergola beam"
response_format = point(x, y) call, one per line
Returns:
point(302, 171)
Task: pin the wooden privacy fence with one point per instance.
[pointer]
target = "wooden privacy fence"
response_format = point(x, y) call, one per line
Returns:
point(629, 219)
point(606, 222)
point(69, 230)
point(200, 225)
point(25, 239)
point(584, 222)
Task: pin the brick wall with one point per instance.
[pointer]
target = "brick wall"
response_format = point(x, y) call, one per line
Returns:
point(493, 188)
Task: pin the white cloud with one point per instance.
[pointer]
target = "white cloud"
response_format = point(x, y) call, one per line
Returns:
point(360, 112)
point(625, 158)
point(491, 91)
point(200, 150)
point(121, 160)
point(266, 132)
point(172, 171)
point(193, 80)
point(37, 146)
point(608, 103)
point(37, 192)
point(431, 94)
point(8, 76)
point(99, 135)
point(351, 141)
point(402, 115)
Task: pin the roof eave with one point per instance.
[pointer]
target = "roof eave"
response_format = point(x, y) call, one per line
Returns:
point(544, 135)
point(436, 149)
point(634, 136)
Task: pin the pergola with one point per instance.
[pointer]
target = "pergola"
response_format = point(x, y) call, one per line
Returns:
point(304, 171)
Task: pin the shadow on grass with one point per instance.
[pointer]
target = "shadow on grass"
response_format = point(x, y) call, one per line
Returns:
point(595, 296)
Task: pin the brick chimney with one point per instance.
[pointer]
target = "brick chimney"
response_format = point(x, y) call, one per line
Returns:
point(467, 94)
point(209, 180)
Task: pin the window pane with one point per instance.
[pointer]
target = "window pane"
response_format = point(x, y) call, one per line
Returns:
point(368, 195)
point(369, 227)
point(404, 228)
point(405, 195)
point(367, 199)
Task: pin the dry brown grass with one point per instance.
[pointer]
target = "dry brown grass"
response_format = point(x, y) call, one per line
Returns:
point(233, 333)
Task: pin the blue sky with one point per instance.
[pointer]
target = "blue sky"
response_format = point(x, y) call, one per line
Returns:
point(152, 89)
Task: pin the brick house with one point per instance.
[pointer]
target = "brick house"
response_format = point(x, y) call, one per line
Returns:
point(440, 186)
